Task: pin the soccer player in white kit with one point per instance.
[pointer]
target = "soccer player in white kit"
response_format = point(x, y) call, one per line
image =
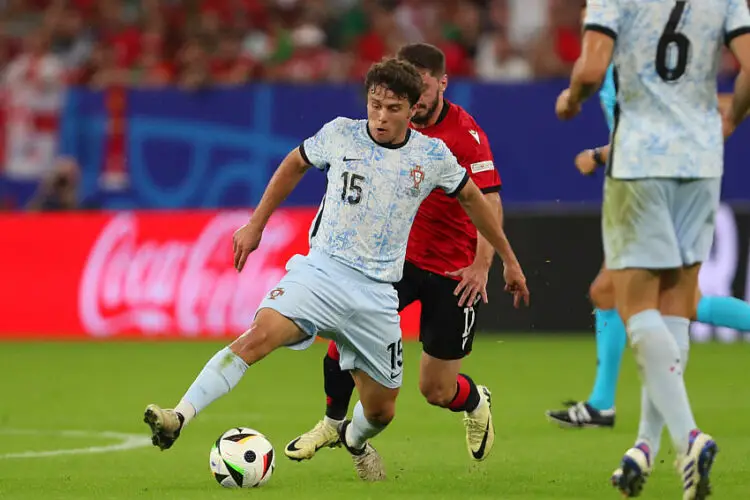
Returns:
point(379, 171)
point(661, 195)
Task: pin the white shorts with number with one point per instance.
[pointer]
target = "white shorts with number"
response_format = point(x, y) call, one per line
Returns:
point(329, 299)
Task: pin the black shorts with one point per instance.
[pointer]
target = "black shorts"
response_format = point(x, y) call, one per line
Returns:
point(446, 330)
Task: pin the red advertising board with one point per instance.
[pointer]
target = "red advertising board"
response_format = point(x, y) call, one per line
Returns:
point(140, 274)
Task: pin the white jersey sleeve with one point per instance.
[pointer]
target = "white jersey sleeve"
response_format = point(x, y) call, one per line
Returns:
point(737, 21)
point(453, 177)
point(603, 16)
point(318, 150)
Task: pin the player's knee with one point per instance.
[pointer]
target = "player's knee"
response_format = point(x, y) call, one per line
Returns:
point(602, 292)
point(253, 345)
point(381, 413)
point(438, 394)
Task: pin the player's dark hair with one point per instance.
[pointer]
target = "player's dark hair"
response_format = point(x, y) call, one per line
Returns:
point(400, 77)
point(425, 57)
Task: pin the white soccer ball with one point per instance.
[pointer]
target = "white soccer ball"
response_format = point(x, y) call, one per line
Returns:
point(242, 458)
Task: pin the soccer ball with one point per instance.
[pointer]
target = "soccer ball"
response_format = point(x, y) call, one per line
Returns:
point(242, 458)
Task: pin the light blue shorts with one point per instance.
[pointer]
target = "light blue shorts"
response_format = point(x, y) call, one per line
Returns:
point(658, 223)
point(327, 298)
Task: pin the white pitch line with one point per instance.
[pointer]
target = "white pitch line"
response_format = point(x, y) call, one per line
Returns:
point(127, 442)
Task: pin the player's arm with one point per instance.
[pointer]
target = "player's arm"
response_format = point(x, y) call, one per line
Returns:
point(737, 30)
point(313, 152)
point(740, 106)
point(283, 182)
point(596, 54)
point(484, 216)
point(473, 282)
point(485, 252)
point(475, 155)
point(741, 99)
point(591, 67)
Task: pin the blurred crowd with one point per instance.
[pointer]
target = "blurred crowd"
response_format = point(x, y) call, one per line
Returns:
point(193, 43)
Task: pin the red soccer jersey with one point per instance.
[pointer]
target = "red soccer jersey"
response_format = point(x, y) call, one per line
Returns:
point(443, 237)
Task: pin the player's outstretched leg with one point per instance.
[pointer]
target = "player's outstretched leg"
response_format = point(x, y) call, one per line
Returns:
point(599, 409)
point(727, 312)
point(339, 386)
point(372, 413)
point(222, 373)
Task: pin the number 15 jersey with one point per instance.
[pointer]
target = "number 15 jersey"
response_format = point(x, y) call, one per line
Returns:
point(374, 192)
point(666, 58)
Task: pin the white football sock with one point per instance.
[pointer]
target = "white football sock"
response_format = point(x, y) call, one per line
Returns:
point(220, 375)
point(361, 429)
point(187, 411)
point(659, 360)
point(652, 423)
point(331, 422)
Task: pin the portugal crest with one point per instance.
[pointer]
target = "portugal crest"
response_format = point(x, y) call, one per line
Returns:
point(417, 176)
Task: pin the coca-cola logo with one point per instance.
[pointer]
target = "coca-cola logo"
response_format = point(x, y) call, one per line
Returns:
point(186, 285)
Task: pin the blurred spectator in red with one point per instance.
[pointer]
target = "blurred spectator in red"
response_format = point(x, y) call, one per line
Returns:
point(119, 30)
point(231, 42)
point(194, 65)
point(34, 88)
point(103, 71)
point(152, 69)
point(229, 65)
point(383, 38)
point(457, 63)
point(556, 49)
point(210, 26)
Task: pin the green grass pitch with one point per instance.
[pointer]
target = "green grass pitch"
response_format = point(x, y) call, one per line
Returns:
point(48, 388)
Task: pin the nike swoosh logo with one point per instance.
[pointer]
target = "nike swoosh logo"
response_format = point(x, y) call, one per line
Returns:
point(293, 445)
point(352, 159)
point(480, 452)
point(395, 375)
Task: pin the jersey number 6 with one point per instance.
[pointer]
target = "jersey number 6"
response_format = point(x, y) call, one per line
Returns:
point(671, 41)
point(352, 191)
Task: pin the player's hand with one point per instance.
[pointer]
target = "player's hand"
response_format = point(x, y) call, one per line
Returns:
point(515, 283)
point(728, 125)
point(564, 108)
point(473, 284)
point(585, 162)
point(245, 240)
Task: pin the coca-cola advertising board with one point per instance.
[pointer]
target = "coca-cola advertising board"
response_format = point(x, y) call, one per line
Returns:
point(141, 274)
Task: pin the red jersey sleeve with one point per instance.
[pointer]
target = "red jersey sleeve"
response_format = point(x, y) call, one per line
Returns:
point(479, 162)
